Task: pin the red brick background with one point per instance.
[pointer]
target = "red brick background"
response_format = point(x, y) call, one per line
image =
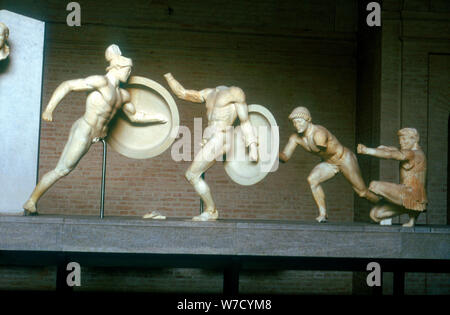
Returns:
point(279, 72)
point(283, 55)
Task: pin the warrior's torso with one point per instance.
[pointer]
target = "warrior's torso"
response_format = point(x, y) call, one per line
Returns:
point(220, 105)
point(101, 106)
point(333, 150)
point(413, 176)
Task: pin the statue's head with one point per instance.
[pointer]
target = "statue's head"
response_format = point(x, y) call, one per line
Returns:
point(121, 66)
point(222, 88)
point(301, 118)
point(408, 138)
point(4, 34)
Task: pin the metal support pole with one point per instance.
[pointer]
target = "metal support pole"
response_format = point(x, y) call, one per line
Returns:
point(201, 201)
point(102, 200)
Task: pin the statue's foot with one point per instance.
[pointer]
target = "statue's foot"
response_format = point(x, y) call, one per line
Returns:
point(29, 213)
point(207, 216)
point(321, 218)
point(409, 224)
point(30, 208)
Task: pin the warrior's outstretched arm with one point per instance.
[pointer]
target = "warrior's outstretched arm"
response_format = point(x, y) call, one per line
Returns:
point(182, 93)
point(383, 152)
point(246, 126)
point(142, 117)
point(289, 149)
point(251, 141)
point(138, 116)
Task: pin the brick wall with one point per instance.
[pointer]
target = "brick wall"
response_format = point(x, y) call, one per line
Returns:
point(36, 278)
point(367, 105)
point(279, 59)
point(180, 280)
point(295, 282)
point(163, 280)
point(415, 56)
point(414, 92)
point(300, 71)
point(282, 54)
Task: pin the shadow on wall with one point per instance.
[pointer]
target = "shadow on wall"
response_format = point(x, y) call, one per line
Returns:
point(4, 65)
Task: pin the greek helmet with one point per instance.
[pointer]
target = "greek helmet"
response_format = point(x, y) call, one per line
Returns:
point(115, 58)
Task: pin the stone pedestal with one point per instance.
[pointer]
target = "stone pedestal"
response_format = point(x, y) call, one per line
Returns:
point(247, 238)
point(20, 107)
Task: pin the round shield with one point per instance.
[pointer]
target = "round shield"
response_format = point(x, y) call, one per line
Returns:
point(145, 140)
point(238, 165)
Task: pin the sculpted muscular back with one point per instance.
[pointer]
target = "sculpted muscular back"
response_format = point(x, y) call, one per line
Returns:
point(335, 158)
point(102, 103)
point(220, 105)
point(223, 106)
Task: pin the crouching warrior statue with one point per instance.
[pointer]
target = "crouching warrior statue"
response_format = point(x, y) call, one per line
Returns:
point(335, 158)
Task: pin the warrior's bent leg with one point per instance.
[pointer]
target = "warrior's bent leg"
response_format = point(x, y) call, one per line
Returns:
point(385, 210)
point(351, 171)
point(204, 159)
point(77, 145)
point(321, 173)
point(202, 188)
point(44, 184)
point(389, 191)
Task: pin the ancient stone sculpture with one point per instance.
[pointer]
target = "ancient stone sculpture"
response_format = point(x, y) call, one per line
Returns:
point(335, 158)
point(144, 141)
point(4, 48)
point(155, 215)
point(238, 165)
point(408, 197)
point(224, 105)
point(104, 99)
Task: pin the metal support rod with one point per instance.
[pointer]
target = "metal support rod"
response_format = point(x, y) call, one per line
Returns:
point(201, 200)
point(102, 200)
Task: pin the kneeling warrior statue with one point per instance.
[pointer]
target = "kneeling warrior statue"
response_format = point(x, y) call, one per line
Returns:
point(408, 197)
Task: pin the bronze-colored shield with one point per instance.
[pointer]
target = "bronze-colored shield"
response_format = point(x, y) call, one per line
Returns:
point(238, 165)
point(143, 141)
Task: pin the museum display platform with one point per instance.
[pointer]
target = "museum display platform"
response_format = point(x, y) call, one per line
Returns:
point(223, 237)
point(231, 245)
